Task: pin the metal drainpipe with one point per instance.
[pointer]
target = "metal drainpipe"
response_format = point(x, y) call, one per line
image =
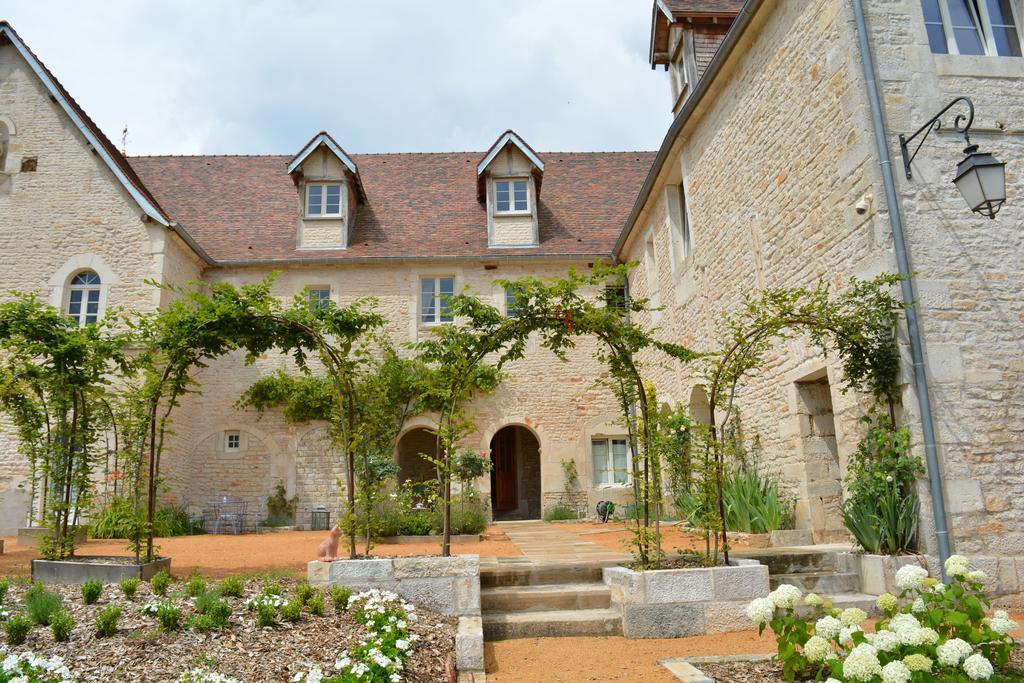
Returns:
point(907, 290)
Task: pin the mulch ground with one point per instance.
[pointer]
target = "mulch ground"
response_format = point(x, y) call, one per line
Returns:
point(615, 536)
point(141, 652)
point(221, 555)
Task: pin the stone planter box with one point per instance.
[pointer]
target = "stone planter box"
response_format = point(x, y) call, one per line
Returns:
point(108, 569)
point(31, 535)
point(460, 538)
point(450, 585)
point(878, 572)
point(671, 603)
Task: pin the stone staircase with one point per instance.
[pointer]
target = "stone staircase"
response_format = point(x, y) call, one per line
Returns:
point(814, 570)
point(538, 600)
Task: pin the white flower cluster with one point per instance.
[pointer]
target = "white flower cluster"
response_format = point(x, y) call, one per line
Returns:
point(911, 577)
point(266, 599)
point(28, 666)
point(978, 668)
point(150, 607)
point(760, 611)
point(828, 627)
point(853, 616)
point(895, 672)
point(957, 565)
point(785, 596)
point(200, 676)
point(1001, 623)
point(953, 651)
point(862, 663)
point(817, 649)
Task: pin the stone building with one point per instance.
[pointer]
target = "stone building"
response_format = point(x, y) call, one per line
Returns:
point(769, 175)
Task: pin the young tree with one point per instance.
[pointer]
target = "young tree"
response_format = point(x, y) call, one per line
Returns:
point(54, 380)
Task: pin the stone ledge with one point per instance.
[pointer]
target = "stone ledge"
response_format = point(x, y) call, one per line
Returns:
point(469, 644)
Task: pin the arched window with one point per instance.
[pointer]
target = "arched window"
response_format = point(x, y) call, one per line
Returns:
point(84, 297)
point(5, 137)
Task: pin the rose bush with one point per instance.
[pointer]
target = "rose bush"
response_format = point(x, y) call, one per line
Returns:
point(930, 631)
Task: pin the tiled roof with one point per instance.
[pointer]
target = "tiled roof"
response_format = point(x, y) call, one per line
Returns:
point(683, 8)
point(245, 208)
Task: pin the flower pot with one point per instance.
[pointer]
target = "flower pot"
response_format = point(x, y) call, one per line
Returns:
point(106, 568)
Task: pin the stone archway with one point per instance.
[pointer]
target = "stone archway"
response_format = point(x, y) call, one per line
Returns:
point(515, 474)
point(412, 466)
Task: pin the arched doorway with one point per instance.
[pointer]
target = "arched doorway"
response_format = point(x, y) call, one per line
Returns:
point(515, 474)
point(412, 466)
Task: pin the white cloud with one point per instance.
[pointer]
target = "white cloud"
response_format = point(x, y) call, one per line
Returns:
point(235, 76)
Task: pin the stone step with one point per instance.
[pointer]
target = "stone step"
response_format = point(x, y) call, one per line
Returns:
point(791, 561)
point(547, 597)
point(538, 575)
point(819, 582)
point(551, 624)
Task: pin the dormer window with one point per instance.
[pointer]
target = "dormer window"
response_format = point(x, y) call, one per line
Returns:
point(512, 196)
point(323, 200)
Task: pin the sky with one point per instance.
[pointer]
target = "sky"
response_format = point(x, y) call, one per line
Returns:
point(247, 77)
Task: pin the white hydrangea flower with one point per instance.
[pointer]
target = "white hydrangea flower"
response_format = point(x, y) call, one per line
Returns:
point(813, 600)
point(918, 605)
point(828, 627)
point(895, 672)
point(846, 635)
point(853, 616)
point(862, 664)
point(906, 627)
point(911, 577)
point(926, 636)
point(939, 588)
point(887, 602)
point(952, 652)
point(785, 596)
point(978, 668)
point(918, 662)
point(885, 641)
point(977, 576)
point(957, 565)
point(816, 649)
point(1001, 623)
point(761, 610)
point(832, 680)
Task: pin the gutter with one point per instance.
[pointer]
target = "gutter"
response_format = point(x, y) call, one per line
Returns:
point(906, 289)
point(342, 260)
point(739, 26)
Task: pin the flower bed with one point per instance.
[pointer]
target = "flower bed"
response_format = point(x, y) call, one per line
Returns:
point(931, 631)
point(197, 651)
point(670, 603)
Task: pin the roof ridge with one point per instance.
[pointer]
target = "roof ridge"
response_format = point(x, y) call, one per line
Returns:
point(378, 154)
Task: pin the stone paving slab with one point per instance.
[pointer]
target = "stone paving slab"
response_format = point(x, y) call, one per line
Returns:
point(543, 543)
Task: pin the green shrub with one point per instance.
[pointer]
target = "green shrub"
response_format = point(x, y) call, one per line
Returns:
point(340, 596)
point(195, 586)
point(16, 629)
point(232, 586)
point(303, 591)
point(315, 603)
point(213, 605)
point(106, 620)
point(272, 588)
point(753, 503)
point(61, 624)
point(280, 509)
point(471, 519)
point(172, 520)
point(168, 615)
point(560, 512)
point(290, 611)
point(91, 591)
point(129, 586)
point(161, 582)
point(4, 585)
point(266, 614)
point(120, 519)
point(41, 604)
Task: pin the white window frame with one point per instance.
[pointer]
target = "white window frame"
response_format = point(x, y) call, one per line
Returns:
point(512, 210)
point(510, 301)
point(437, 315)
point(607, 480)
point(984, 27)
point(323, 301)
point(323, 201)
point(82, 317)
point(236, 436)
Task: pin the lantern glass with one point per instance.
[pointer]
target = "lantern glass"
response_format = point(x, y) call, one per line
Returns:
point(981, 180)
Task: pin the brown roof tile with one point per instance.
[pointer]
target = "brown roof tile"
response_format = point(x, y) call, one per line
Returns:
point(245, 208)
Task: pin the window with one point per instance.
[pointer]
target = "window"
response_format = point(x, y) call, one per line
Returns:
point(323, 201)
point(511, 196)
point(319, 297)
point(84, 298)
point(972, 27)
point(434, 293)
point(616, 296)
point(233, 441)
point(611, 461)
point(511, 302)
point(681, 224)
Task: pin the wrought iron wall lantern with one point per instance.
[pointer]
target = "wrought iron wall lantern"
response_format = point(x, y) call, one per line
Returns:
point(980, 177)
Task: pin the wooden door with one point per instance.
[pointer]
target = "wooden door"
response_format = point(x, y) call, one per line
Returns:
point(503, 451)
